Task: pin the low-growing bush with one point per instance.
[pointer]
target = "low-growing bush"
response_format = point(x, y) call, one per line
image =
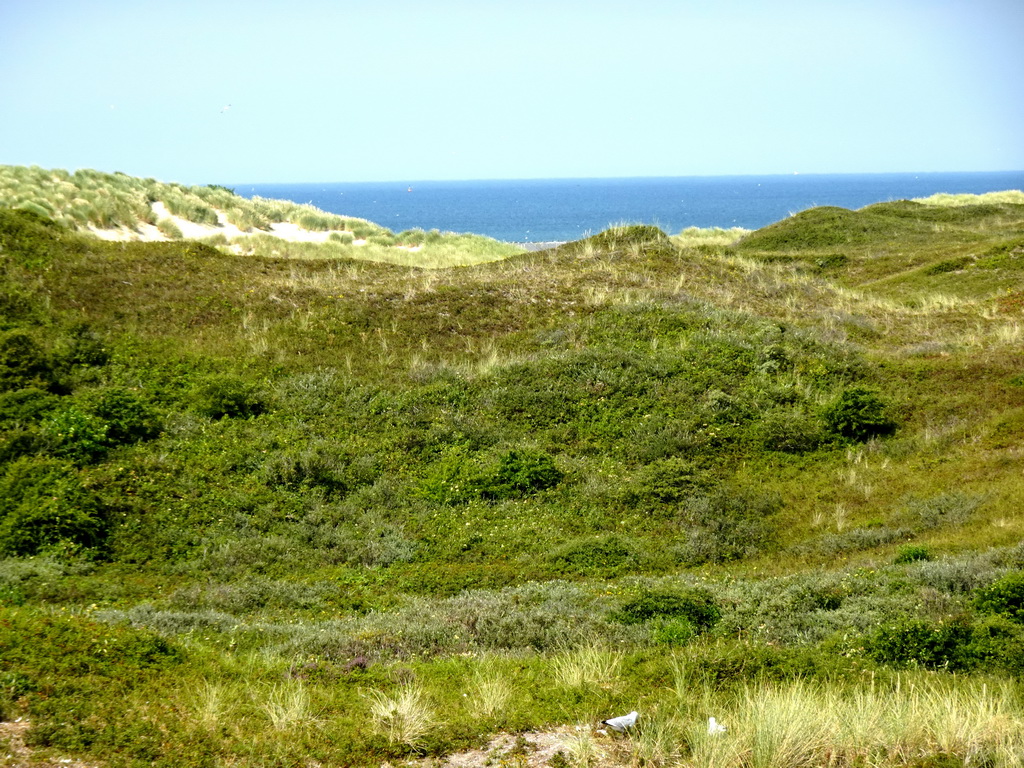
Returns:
point(312, 465)
point(459, 476)
point(228, 396)
point(520, 473)
point(695, 606)
point(912, 553)
point(854, 540)
point(26, 406)
point(608, 555)
point(128, 416)
point(23, 362)
point(728, 524)
point(957, 644)
point(43, 504)
point(1004, 597)
point(87, 647)
point(85, 346)
point(917, 642)
point(944, 509)
point(75, 435)
point(666, 481)
point(788, 430)
point(858, 414)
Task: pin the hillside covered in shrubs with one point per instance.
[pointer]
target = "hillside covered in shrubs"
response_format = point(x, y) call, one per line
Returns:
point(270, 507)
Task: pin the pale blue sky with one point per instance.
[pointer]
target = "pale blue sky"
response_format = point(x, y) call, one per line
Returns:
point(453, 89)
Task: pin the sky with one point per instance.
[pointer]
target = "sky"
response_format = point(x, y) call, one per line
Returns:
point(208, 91)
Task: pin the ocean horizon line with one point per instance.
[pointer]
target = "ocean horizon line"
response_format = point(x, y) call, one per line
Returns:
point(557, 179)
point(547, 210)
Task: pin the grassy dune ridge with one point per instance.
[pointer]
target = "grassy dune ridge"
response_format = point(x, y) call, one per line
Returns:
point(302, 507)
point(117, 206)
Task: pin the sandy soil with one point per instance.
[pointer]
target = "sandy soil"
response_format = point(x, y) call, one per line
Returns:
point(15, 754)
point(190, 230)
point(529, 750)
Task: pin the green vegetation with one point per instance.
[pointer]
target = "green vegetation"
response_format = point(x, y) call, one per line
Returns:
point(287, 505)
point(91, 201)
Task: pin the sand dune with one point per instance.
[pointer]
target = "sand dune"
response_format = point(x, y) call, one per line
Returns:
point(192, 231)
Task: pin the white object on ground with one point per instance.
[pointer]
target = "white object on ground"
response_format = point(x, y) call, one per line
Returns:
point(621, 723)
point(715, 727)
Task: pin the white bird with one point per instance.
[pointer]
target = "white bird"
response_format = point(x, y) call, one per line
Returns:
point(621, 723)
point(715, 727)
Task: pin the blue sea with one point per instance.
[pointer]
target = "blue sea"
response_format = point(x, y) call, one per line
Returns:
point(550, 210)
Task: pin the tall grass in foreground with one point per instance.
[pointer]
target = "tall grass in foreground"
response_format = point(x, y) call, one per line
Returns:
point(403, 718)
point(918, 718)
point(588, 666)
point(287, 705)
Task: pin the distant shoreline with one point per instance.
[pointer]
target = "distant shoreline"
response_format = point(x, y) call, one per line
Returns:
point(550, 211)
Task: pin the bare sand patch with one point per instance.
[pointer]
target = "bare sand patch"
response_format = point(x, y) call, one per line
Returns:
point(190, 230)
point(534, 749)
point(13, 751)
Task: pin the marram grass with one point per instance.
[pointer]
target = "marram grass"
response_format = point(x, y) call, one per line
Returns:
point(1011, 196)
point(787, 725)
point(110, 201)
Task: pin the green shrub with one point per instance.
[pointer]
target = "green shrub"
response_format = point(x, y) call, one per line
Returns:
point(229, 397)
point(912, 553)
point(729, 524)
point(858, 414)
point(666, 481)
point(854, 540)
point(1004, 597)
point(87, 648)
point(129, 418)
point(944, 509)
point(25, 406)
point(19, 442)
point(695, 606)
point(23, 362)
point(320, 464)
point(520, 473)
point(788, 430)
point(916, 642)
point(75, 435)
point(85, 347)
point(43, 504)
point(452, 479)
point(676, 632)
point(998, 642)
point(948, 265)
point(608, 555)
point(459, 476)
